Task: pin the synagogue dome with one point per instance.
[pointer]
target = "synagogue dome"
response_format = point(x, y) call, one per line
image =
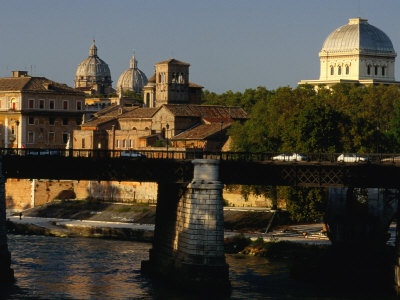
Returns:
point(93, 66)
point(132, 79)
point(358, 35)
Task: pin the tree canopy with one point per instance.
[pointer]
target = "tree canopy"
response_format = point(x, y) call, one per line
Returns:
point(344, 118)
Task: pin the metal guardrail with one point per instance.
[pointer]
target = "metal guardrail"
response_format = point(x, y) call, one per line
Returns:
point(387, 158)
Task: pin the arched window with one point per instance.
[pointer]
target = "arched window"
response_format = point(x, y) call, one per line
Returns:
point(159, 77)
point(339, 70)
point(383, 71)
point(180, 78)
point(347, 70)
point(369, 70)
point(376, 70)
point(332, 70)
point(148, 100)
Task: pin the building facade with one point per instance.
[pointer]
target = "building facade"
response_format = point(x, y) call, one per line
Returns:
point(357, 52)
point(170, 118)
point(36, 112)
point(170, 85)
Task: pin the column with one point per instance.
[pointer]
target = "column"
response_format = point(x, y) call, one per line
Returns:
point(6, 273)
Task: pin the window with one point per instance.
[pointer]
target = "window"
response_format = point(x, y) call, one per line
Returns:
point(383, 71)
point(180, 78)
point(31, 137)
point(79, 105)
point(52, 104)
point(124, 143)
point(347, 70)
point(51, 137)
point(65, 104)
point(147, 100)
point(31, 103)
point(12, 130)
point(51, 121)
point(65, 137)
point(83, 143)
point(339, 70)
point(117, 144)
point(376, 70)
point(130, 143)
point(369, 70)
point(31, 121)
point(332, 70)
point(41, 104)
point(65, 121)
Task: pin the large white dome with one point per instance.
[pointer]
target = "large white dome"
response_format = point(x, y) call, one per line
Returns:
point(358, 35)
point(93, 66)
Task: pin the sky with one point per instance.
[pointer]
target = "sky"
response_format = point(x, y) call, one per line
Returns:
point(230, 44)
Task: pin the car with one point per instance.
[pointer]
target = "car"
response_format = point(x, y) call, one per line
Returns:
point(352, 157)
point(130, 153)
point(287, 157)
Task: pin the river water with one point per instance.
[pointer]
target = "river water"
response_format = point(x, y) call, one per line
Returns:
point(82, 268)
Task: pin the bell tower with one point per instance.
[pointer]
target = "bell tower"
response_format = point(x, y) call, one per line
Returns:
point(172, 82)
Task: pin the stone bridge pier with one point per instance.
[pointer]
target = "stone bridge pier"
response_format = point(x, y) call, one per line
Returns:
point(6, 273)
point(188, 247)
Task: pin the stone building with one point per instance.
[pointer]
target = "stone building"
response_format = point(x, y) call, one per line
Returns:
point(132, 79)
point(170, 85)
point(356, 53)
point(93, 75)
point(170, 117)
point(36, 112)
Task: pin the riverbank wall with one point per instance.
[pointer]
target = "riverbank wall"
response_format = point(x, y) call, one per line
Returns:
point(23, 194)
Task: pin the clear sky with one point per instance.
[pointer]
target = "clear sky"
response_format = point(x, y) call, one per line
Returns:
point(230, 44)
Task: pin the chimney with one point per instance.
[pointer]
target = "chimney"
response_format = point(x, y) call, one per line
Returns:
point(17, 74)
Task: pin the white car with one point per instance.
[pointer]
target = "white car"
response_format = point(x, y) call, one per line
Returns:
point(351, 158)
point(293, 157)
point(128, 153)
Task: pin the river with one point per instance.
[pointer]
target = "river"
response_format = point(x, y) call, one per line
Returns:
point(82, 268)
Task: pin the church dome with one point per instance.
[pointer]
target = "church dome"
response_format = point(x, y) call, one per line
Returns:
point(132, 79)
point(358, 35)
point(93, 66)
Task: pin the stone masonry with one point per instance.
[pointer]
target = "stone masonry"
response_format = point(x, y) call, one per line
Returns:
point(188, 247)
point(6, 273)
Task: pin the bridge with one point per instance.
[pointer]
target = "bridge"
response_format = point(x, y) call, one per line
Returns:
point(319, 170)
point(188, 237)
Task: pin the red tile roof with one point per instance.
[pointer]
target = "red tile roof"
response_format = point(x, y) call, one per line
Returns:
point(209, 113)
point(202, 131)
point(143, 112)
point(173, 61)
point(35, 84)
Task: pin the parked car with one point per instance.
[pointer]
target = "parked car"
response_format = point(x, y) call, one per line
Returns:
point(352, 157)
point(293, 157)
point(130, 153)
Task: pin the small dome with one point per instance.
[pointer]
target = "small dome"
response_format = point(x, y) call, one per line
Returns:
point(132, 79)
point(93, 65)
point(358, 35)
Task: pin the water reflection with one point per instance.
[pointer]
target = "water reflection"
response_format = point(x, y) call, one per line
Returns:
point(64, 268)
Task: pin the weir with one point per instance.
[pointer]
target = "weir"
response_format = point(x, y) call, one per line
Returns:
point(188, 247)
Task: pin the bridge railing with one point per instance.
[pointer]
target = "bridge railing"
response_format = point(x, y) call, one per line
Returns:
point(386, 158)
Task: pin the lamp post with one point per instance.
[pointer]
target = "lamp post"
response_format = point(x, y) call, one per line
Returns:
point(167, 138)
point(17, 124)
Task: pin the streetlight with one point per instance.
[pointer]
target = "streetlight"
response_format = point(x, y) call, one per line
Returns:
point(167, 138)
point(17, 124)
